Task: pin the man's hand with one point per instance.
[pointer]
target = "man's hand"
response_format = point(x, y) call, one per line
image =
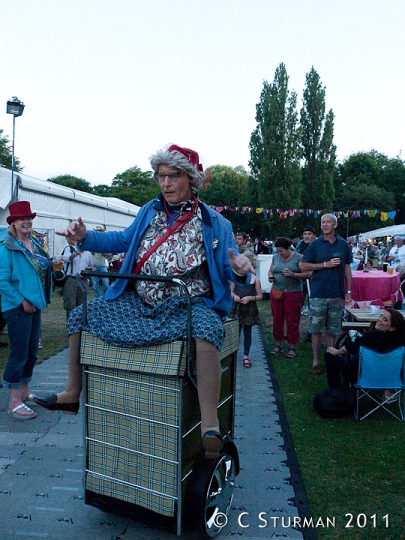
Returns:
point(76, 231)
point(239, 263)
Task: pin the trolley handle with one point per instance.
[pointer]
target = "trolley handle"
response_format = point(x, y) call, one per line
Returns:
point(143, 277)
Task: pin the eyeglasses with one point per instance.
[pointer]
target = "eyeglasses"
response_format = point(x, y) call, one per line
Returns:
point(173, 177)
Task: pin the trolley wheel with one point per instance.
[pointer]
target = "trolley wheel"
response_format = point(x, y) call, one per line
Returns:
point(210, 493)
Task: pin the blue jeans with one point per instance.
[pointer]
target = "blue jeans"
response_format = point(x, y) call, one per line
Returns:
point(23, 332)
point(96, 284)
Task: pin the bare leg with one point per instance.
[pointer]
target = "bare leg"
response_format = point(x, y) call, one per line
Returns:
point(74, 383)
point(316, 345)
point(208, 384)
point(330, 340)
point(24, 391)
point(68, 400)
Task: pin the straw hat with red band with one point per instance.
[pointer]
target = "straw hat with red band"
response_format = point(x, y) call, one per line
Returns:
point(185, 159)
point(19, 209)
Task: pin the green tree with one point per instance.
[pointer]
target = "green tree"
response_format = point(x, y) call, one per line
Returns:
point(364, 196)
point(377, 169)
point(394, 180)
point(72, 182)
point(227, 186)
point(319, 152)
point(275, 150)
point(6, 154)
point(135, 186)
point(364, 181)
point(274, 145)
point(102, 190)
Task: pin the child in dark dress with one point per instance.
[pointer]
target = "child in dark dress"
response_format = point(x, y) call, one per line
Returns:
point(244, 308)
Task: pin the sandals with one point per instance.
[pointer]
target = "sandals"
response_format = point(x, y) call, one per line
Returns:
point(246, 362)
point(277, 350)
point(291, 352)
point(316, 370)
point(14, 414)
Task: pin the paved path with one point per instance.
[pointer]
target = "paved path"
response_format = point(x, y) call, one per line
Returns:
point(42, 462)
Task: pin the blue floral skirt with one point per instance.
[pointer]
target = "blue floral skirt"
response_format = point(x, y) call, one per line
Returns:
point(128, 322)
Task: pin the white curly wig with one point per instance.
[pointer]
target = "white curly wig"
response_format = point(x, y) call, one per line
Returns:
point(183, 159)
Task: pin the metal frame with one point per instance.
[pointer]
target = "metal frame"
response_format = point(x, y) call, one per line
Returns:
point(374, 392)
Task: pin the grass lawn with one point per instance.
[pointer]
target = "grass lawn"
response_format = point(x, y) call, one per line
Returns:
point(349, 468)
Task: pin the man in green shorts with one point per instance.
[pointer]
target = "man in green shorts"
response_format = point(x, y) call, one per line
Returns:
point(329, 258)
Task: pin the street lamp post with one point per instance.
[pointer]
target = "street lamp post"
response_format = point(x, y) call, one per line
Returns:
point(16, 108)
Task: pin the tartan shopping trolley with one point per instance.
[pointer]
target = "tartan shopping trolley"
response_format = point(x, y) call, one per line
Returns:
point(142, 429)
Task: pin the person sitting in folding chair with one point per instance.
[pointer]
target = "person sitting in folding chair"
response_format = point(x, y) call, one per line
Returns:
point(388, 335)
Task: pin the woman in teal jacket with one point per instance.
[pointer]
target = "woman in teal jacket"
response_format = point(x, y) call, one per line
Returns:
point(25, 287)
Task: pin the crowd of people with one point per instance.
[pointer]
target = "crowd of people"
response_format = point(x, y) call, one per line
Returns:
point(178, 235)
point(375, 254)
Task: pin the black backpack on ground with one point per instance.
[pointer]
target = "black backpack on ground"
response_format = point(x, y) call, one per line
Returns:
point(334, 402)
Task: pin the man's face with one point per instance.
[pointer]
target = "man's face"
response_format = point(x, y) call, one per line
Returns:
point(328, 225)
point(240, 241)
point(399, 242)
point(308, 236)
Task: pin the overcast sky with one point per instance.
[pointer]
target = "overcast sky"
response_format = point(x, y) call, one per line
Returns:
point(107, 83)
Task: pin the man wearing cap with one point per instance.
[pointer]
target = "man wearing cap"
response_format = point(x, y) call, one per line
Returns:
point(75, 261)
point(308, 235)
point(99, 265)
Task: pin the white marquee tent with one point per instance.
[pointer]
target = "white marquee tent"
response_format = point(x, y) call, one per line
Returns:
point(393, 230)
point(56, 206)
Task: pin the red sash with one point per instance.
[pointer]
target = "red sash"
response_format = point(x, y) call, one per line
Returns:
point(176, 227)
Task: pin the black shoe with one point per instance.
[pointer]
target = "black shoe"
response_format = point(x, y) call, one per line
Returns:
point(51, 403)
point(212, 444)
point(3, 344)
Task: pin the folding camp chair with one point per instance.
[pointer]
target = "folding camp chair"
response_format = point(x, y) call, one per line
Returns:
point(379, 372)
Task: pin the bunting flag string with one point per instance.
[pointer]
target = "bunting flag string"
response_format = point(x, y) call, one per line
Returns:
point(284, 214)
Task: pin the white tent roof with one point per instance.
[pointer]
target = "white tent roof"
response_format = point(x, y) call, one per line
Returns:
point(393, 230)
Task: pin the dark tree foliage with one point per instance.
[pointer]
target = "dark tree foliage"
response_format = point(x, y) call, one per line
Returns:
point(370, 181)
point(135, 186)
point(6, 154)
point(72, 182)
point(319, 152)
point(102, 190)
point(227, 186)
point(274, 146)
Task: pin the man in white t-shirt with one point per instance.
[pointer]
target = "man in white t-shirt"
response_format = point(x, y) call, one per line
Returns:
point(397, 254)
